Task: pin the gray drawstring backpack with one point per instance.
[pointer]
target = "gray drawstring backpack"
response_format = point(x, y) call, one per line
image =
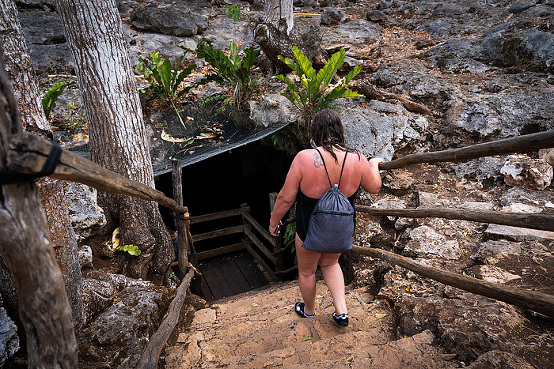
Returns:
point(331, 225)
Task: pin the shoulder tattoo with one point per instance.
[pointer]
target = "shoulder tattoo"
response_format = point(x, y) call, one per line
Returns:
point(317, 160)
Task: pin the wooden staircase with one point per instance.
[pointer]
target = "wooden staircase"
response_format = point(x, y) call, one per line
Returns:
point(259, 329)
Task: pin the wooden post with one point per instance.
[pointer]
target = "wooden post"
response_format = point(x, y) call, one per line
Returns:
point(25, 248)
point(278, 245)
point(177, 177)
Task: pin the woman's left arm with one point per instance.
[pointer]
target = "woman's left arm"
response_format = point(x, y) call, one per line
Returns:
point(286, 196)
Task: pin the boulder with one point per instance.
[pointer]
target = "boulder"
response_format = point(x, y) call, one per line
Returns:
point(85, 257)
point(380, 128)
point(84, 213)
point(272, 109)
point(174, 20)
point(332, 16)
point(356, 32)
point(521, 170)
point(424, 241)
point(123, 314)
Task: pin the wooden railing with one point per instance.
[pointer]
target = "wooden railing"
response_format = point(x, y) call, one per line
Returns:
point(256, 241)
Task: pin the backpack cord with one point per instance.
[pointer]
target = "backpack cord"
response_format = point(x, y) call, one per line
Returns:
point(324, 166)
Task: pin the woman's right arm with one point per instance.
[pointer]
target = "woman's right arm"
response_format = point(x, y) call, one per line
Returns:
point(371, 178)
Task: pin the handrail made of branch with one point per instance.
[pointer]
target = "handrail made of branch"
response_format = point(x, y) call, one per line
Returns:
point(28, 152)
point(150, 355)
point(542, 221)
point(532, 300)
point(534, 141)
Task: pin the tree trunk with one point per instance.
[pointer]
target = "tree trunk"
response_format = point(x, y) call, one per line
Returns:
point(117, 131)
point(25, 248)
point(51, 192)
point(275, 10)
point(19, 69)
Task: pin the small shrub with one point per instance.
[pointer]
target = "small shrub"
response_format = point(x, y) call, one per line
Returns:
point(51, 96)
point(316, 91)
point(165, 79)
point(233, 69)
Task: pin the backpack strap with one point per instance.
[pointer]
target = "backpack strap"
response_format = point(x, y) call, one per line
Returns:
point(324, 166)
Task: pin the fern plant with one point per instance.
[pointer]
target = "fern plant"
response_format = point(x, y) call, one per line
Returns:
point(233, 69)
point(51, 96)
point(165, 79)
point(316, 91)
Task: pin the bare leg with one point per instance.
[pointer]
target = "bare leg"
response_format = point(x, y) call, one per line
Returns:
point(307, 266)
point(334, 279)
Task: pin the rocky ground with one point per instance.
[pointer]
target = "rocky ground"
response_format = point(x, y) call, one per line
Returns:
point(484, 70)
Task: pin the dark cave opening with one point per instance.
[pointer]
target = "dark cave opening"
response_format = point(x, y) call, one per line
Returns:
point(247, 174)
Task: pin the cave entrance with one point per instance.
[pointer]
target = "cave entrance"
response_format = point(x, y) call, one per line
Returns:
point(228, 197)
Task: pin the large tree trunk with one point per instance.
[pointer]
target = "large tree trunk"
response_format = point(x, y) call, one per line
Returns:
point(25, 248)
point(117, 132)
point(52, 193)
point(279, 11)
point(19, 69)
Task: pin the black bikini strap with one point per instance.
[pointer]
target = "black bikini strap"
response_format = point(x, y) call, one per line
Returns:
point(324, 166)
point(342, 169)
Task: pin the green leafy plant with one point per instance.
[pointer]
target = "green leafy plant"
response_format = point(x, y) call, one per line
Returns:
point(165, 79)
point(51, 96)
point(233, 12)
point(130, 249)
point(233, 69)
point(317, 90)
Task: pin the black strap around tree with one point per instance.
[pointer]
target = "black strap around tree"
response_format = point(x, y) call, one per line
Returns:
point(324, 166)
point(49, 167)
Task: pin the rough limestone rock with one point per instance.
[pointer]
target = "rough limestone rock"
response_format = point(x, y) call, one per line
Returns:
point(85, 257)
point(333, 16)
point(426, 242)
point(84, 212)
point(9, 341)
point(175, 20)
point(130, 312)
point(379, 128)
point(272, 109)
point(520, 170)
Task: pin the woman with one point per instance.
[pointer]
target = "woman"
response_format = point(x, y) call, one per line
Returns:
point(307, 180)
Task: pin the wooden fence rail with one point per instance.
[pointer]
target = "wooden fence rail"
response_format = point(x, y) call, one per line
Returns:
point(535, 141)
point(542, 221)
point(536, 301)
point(28, 152)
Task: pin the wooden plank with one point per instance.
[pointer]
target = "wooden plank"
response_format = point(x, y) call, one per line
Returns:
point(259, 245)
point(218, 233)
point(220, 251)
point(151, 354)
point(536, 301)
point(260, 261)
point(250, 270)
point(218, 286)
point(230, 271)
point(542, 221)
point(535, 141)
point(206, 292)
point(259, 228)
point(213, 216)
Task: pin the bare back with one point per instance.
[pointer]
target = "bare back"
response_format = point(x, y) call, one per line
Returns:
point(314, 181)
